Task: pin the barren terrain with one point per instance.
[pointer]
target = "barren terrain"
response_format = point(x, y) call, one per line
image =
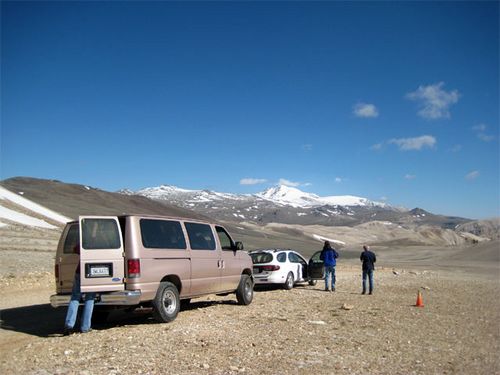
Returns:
point(305, 330)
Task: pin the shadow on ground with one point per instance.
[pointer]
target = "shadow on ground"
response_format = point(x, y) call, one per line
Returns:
point(46, 321)
point(38, 320)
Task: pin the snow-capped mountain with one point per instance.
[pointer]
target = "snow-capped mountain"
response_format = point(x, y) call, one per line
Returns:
point(277, 204)
point(297, 198)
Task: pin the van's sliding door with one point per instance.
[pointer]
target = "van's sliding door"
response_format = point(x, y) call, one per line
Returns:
point(101, 254)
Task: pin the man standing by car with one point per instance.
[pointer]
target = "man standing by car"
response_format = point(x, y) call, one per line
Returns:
point(329, 257)
point(368, 258)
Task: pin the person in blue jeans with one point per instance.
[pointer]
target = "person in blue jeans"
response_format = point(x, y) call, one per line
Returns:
point(76, 295)
point(329, 257)
point(368, 258)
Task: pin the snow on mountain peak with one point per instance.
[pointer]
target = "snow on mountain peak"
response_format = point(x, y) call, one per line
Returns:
point(297, 198)
point(280, 194)
point(290, 196)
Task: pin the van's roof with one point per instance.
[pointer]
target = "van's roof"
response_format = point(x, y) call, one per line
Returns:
point(151, 216)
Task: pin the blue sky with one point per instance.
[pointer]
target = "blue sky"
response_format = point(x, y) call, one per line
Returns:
point(394, 101)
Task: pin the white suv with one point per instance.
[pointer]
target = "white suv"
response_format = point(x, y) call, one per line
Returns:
point(280, 266)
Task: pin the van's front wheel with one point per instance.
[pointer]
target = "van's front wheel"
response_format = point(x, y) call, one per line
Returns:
point(244, 293)
point(166, 303)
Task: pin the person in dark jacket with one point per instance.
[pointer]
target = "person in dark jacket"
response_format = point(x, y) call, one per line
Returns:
point(368, 258)
point(329, 257)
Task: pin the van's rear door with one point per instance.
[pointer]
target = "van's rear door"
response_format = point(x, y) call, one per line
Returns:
point(102, 266)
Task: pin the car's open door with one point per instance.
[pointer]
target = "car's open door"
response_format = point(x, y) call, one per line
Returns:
point(316, 267)
point(101, 254)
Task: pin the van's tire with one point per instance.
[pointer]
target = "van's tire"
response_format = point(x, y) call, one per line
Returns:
point(313, 282)
point(244, 293)
point(166, 303)
point(289, 281)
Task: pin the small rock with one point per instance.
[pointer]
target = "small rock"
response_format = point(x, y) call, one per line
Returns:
point(206, 366)
point(345, 306)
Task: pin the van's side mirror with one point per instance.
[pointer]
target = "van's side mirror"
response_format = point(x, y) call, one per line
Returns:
point(239, 245)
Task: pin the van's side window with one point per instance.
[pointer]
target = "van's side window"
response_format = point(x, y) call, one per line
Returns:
point(72, 240)
point(100, 234)
point(225, 241)
point(162, 234)
point(200, 236)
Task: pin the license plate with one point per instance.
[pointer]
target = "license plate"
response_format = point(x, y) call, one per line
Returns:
point(98, 270)
point(256, 270)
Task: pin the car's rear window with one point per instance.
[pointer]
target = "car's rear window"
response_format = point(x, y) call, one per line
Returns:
point(258, 258)
point(162, 234)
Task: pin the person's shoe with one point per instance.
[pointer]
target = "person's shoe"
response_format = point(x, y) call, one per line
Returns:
point(68, 331)
point(363, 292)
point(86, 331)
point(370, 293)
point(333, 289)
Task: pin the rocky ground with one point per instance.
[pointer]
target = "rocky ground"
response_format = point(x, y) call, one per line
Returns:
point(305, 330)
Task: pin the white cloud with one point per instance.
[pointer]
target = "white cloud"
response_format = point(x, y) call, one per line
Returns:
point(365, 110)
point(479, 127)
point(480, 130)
point(307, 147)
point(410, 176)
point(472, 175)
point(417, 143)
point(252, 181)
point(456, 148)
point(286, 182)
point(338, 180)
point(435, 101)
point(377, 147)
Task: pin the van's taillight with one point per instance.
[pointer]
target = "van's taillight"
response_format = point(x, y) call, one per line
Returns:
point(56, 271)
point(134, 268)
point(270, 268)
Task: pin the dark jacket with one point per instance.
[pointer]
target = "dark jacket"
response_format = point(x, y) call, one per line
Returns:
point(368, 258)
point(329, 257)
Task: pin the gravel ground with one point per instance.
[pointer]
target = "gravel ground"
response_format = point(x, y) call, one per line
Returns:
point(305, 330)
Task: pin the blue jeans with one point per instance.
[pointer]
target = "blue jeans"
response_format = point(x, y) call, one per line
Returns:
point(329, 274)
point(368, 274)
point(88, 307)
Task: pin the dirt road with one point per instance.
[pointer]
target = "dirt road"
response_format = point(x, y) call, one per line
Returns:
point(305, 330)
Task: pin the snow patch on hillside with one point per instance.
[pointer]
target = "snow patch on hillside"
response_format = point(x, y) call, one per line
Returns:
point(22, 218)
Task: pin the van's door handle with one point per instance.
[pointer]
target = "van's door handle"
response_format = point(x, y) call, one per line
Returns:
point(223, 264)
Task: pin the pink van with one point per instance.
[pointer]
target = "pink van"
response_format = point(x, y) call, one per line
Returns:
point(139, 260)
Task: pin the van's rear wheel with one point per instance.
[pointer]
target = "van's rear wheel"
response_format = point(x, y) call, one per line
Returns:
point(166, 303)
point(244, 293)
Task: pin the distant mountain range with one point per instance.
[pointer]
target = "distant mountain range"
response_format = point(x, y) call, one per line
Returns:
point(32, 213)
point(288, 205)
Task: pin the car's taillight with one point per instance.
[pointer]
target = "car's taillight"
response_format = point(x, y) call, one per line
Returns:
point(133, 268)
point(56, 271)
point(270, 268)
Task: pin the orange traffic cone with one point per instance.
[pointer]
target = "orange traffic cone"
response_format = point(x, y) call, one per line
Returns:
point(420, 302)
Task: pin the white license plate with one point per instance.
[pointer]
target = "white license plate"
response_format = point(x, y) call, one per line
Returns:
point(99, 271)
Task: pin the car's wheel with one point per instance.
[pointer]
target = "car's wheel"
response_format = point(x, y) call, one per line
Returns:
point(166, 303)
point(289, 281)
point(244, 293)
point(313, 282)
